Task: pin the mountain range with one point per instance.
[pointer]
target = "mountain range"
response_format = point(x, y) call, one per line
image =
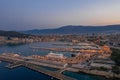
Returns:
point(70, 29)
point(12, 34)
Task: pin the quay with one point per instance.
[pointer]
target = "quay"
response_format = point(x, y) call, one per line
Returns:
point(19, 61)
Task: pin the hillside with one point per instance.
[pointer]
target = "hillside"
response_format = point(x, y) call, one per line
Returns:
point(12, 34)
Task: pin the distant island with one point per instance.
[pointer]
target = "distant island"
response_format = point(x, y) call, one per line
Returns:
point(71, 29)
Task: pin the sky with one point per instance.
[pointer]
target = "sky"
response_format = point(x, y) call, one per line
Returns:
point(43, 14)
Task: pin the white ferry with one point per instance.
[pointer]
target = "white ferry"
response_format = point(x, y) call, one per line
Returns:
point(55, 55)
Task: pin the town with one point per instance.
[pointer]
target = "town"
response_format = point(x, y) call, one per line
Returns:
point(113, 40)
point(91, 56)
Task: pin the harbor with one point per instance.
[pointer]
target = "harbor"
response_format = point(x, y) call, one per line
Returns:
point(50, 60)
point(16, 62)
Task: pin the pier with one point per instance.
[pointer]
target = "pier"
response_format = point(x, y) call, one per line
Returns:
point(19, 61)
point(50, 73)
point(55, 49)
point(14, 65)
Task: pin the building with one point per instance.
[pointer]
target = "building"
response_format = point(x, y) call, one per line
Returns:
point(2, 38)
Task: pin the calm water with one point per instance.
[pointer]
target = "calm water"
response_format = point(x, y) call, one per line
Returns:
point(22, 73)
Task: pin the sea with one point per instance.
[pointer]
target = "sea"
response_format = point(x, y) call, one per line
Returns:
point(22, 73)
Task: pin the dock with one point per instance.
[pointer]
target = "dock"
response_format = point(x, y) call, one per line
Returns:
point(14, 65)
point(50, 73)
point(55, 49)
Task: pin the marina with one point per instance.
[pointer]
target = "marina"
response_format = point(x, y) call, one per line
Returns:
point(51, 64)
